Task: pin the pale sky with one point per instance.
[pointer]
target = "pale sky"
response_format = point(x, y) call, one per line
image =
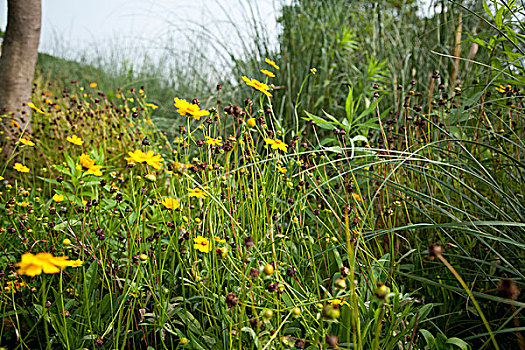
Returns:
point(73, 27)
point(129, 29)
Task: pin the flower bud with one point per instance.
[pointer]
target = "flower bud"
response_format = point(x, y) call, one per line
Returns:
point(268, 269)
point(151, 178)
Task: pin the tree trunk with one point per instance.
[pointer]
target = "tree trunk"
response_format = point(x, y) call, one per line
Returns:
point(17, 68)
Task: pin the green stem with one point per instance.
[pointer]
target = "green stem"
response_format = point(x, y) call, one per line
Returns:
point(63, 311)
point(44, 312)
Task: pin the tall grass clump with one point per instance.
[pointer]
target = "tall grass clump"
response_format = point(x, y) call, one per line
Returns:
point(358, 43)
point(448, 176)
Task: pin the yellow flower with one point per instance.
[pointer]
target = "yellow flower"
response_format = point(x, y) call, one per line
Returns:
point(212, 141)
point(257, 85)
point(171, 203)
point(32, 106)
point(356, 196)
point(338, 302)
point(185, 108)
point(136, 157)
point(89, 163)
point(503, 89)
point(75, 140)
point(268, 73)
point(93, 85)
point(27, 142)
point(14, 285)
point(76, 263)
point(14, 124)
point(202, 244)
point(1, 178)
point(58, 198)
point(277, 144)
point(21, 168)
point(251, 122)
point(140, 157)
point(152, 106)
point(95, 170)
point(196, 192)
point(153, 160)
point(219, 240)
point(271, 63)
point(148, 121)
point(281, 169)
point(86, 161)
point(33, 265)
point(23, 204)
point(66, 241)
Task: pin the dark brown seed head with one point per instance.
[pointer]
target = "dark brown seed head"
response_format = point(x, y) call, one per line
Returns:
point(507, 288)
point(299, 344)
point(237, 111)
point(248, 242)
point(272, 287)
point(231, 300)
point(290, 272)
point(228, 109)
point(434, 251)
point(332, 340)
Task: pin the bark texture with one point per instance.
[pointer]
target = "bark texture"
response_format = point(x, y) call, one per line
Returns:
point(17, 68)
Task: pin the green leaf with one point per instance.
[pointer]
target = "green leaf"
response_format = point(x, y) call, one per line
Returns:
point(349, 104)
point(487, 9)
point(63, 225)
point(332, 118)
point(209, 340)
point(429, 338)
point(369, 124)
point(367, 111)
point(189, 320)
point(320, 121)
point(458, 342)
point(91, 278)
point(499, 17)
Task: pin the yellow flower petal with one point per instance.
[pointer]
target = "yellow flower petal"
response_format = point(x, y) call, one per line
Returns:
point(271, 63)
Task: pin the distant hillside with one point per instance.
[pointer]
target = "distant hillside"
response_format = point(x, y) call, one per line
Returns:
point(59, 69)
point(62, 72)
